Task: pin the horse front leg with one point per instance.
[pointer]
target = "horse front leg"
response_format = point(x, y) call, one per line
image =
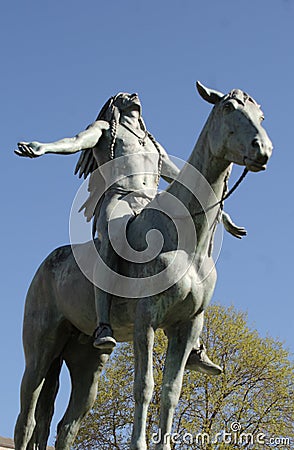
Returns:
point(181, 340)
point(143, 383)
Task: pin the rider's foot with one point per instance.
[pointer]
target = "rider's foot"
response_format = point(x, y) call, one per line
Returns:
point(198, 360)
point(103, 337)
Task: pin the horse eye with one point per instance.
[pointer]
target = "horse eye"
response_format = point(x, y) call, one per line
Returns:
point(262, 119)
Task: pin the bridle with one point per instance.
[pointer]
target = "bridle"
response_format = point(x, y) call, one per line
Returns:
point(225, 196)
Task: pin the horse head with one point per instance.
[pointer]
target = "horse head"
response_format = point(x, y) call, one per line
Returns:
point(236, 132)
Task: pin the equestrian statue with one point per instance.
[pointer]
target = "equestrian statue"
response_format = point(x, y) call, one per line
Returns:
point(149, 267)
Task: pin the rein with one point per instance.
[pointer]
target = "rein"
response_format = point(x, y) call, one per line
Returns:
point(224, 196)
point(220, 202)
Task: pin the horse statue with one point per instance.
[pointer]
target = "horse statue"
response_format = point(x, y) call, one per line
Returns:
point(60, 314)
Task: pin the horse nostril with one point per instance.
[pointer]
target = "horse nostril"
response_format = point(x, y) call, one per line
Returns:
point(259, 151)
point(256, 144)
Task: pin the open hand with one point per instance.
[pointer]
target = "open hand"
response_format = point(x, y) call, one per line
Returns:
point(231, 227)
point(30, 149)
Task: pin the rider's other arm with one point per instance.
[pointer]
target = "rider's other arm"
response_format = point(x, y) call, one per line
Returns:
point(169, 170)
point(231, 227)
point(82, 141)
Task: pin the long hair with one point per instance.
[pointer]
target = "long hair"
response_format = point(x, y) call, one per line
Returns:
point(87, 163)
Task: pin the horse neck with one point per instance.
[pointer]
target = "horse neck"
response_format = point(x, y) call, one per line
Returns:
point(205, 175)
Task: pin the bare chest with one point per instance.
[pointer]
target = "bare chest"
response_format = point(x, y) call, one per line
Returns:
point(129, 142)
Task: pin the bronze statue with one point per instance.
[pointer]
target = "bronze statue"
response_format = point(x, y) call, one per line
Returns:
point(173, 289)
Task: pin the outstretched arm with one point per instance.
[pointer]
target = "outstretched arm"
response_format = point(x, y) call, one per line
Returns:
point(169, 170)
point(82, 141)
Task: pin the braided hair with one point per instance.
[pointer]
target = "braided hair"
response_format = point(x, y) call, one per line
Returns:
point(155, 143)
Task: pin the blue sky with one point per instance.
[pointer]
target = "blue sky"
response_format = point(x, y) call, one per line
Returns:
point(61, 60)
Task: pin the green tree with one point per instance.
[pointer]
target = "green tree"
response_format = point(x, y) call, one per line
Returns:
point(248, 406)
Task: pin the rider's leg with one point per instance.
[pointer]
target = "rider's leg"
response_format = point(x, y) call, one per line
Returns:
point(103, 335)
point(199, 361)
point(114, 209)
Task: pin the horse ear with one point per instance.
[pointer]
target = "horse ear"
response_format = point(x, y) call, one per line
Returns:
point(209, 95)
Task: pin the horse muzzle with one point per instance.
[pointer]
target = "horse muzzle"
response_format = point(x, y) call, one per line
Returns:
point(259, 155)
point(254, 166)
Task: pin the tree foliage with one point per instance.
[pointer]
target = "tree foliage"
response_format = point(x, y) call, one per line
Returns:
point(248, 406)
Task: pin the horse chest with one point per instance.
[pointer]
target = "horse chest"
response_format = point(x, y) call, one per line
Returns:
point(185, 298)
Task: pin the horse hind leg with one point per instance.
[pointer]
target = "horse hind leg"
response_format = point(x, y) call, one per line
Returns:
point(44, 337)
point(45, 407)
point(30, 389)
point(39, 361)
point(85, 364)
